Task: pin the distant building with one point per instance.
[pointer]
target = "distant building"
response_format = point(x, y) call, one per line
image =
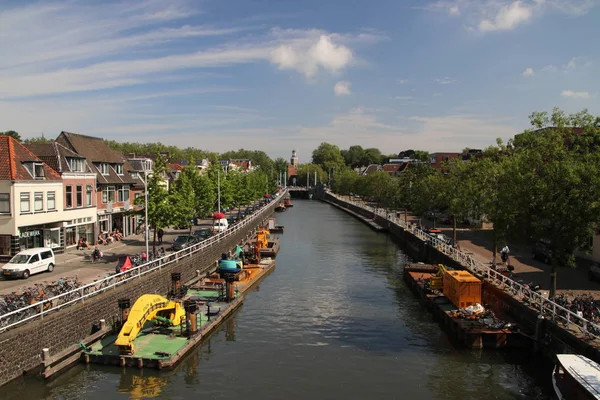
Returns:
point(292, 171)
point(437, 160)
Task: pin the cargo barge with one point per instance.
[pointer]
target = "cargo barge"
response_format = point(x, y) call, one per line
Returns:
point(163, 330)
point(453, 305)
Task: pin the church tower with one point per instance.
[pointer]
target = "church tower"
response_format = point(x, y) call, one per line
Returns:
point(294, 159)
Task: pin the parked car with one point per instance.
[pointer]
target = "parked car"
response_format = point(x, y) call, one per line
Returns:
point(183, 241)
point(29, 262)
point(542, 252)
point(203, 234)
point(594, 272)
point(232, 219)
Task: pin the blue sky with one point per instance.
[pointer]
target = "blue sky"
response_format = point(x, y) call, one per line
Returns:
point(282, 75)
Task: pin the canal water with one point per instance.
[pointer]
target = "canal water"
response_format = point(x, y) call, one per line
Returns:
point(334, 320)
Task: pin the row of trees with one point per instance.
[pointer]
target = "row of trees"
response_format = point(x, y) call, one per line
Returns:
point(195, 194)
point(543, 184)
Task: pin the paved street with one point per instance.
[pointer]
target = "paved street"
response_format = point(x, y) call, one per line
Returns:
point(479, 243)
point(76, 263)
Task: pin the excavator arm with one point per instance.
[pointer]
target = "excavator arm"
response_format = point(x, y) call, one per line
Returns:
point(147, 307)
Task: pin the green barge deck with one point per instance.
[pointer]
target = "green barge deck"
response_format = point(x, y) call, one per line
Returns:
point(162, 347)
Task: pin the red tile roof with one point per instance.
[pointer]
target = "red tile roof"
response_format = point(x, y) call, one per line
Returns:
point(12, 156)
point(175, 167)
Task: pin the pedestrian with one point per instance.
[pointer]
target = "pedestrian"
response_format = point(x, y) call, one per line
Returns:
point(504, 254)
point(160, 234)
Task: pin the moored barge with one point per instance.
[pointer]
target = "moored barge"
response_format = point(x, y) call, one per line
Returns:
point(163, 330)
point(468, 324)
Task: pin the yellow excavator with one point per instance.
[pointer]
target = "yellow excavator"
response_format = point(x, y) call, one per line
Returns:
point(437, 281)
point(149, 307)
point(262, 238)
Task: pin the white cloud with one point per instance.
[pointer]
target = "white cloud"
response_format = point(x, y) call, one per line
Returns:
point(497, 15)
point(308, 59)
point(403, 97)
point(572, 65)
point(73, 47)
point(445, 80)
point(528, 72)
point(575, 95)
point(402, 81)
point(508, 17)
point(342, 88)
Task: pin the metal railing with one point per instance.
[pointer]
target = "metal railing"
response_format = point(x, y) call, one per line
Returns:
point(79, 295)
point(548, 308)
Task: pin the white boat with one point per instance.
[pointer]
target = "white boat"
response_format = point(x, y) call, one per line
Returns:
point(576, 377)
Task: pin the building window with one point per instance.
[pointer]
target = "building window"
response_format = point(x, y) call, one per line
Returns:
point(76, 164)
point(51, 201)
point(4, 203)
point(123, 194)
point(102, 168)
point(79, 196)
point(25, 203)
point(88, 195)
point(69, 196)
point(38, 201)
point(36, 169)
point(119, 169)
point(108, 194)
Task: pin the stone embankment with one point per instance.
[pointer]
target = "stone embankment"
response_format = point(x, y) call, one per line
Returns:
point(554, 330)
point(21, 348)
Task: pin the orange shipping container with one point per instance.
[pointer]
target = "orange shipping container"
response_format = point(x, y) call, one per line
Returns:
point(462, 288)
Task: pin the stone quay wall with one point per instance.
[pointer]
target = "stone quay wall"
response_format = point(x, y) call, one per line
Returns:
point(20, 348)
point(549, 338)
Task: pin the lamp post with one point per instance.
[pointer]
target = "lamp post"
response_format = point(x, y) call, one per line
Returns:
point(145, 169)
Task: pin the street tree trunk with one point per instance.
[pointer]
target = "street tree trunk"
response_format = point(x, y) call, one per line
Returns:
point(495, 249)
point(153, 243)
point(454, 230)
point(553, 277)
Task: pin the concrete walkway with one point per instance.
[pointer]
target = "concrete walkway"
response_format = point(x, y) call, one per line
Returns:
point(479, 243)
point(76, 263)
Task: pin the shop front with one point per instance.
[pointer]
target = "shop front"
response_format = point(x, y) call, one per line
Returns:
point(79, 228)
point(48, 235)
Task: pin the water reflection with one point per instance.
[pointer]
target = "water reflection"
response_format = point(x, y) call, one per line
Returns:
point(334, 320)
point(142, 384)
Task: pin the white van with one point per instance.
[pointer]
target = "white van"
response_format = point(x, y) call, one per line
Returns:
point(220, 225)
point(29, 262)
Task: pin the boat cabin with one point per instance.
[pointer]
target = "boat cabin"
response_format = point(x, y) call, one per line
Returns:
point(576, 377)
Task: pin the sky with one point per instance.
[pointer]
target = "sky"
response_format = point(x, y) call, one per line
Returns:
point(278, 75)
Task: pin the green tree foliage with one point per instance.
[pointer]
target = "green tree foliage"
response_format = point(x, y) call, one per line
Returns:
point(182, 194)
point(11, 133)
point(328, 155)
point(160, 207)
point(205, 196)
point(307, 171)
point(259, 158)
point(345, 182)
point(354, 156)
point(174, 152)
point(560, 176)
point(372, 156)
point(41, 139)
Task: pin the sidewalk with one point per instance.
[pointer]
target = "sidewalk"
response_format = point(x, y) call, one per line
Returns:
point(76, 263)
point(479, 242)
